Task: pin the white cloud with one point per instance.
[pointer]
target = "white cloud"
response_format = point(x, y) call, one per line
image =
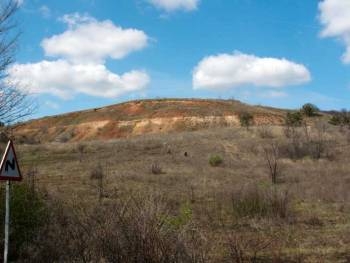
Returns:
point(89, 40)
point(238, 69)
point(173, 5)
point(334, 16)
point(66, 79)
point(45, 11)
point(80, 68)
point(76, 19)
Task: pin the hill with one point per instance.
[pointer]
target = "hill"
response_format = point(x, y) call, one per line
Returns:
point(271, 193)
point(143, 117)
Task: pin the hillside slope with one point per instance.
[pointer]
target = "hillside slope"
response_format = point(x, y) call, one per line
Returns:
point(143, 117)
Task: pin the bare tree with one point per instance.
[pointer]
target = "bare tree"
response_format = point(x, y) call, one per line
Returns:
point(15, 104)
point(272, 157)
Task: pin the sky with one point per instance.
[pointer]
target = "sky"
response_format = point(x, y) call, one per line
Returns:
point(81, 54)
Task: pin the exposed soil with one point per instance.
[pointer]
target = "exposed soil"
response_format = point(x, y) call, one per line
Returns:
point(142, 117)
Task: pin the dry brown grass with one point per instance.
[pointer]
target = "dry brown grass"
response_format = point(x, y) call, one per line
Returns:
point(312, 199)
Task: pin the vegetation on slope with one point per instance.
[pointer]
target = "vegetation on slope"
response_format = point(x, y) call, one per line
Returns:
point(242, 210)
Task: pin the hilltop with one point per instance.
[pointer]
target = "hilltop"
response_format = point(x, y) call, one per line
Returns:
point(143, 117)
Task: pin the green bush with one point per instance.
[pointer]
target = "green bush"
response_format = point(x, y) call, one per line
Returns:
point(27, 214)
point(184, 216)
point(215, 160)
point(293, 119)
point(335, 120)
point(246, 119)
point(309, 109)
point(340, 118)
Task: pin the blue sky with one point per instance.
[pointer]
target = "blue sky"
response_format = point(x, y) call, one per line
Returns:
point(79, 54)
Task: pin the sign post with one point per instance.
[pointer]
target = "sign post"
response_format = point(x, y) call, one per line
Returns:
point(9, 171)
point(7, 221)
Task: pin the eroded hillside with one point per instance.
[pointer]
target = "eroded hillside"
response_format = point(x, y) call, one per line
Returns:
point(143, 117)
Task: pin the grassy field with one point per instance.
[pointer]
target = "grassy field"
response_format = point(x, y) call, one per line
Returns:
point(263, 194)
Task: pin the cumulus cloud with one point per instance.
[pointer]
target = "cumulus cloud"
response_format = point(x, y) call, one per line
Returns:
point(174, 5)
point(65, 79)
point(89, 40)
point(334, 16)
point(80, 66)
point(238, 69)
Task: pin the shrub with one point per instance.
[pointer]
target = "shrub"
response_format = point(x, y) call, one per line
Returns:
point(215, 160)
point(184, 216)
point(65, 136)
point(293, 119)
point(122, 231)
point(265, 132)
point(251, 248)
point(28, 213)
point(156, 169)
point(98, 174)
point(272, 157)
point(336, 120)
point(340, 118)
point(246, 119)
point(299, 149)
point(309, 109)
point(256, 202)
point(315, 145)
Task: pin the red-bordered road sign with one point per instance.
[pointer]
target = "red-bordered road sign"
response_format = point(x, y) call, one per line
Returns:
point(9, 169)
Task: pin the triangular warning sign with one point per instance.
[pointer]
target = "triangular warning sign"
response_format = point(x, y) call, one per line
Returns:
point(9, 169)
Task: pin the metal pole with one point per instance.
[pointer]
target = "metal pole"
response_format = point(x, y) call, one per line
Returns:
point(7, 221)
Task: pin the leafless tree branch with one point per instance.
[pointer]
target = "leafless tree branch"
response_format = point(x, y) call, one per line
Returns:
point(15, 104)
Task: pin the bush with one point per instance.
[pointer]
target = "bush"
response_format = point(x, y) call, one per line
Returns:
point(183, 218)
point(301, 149)
point(293, 119)
point(265, 132)
point(272, 160)
point(340, 118)
point(215, 160)
point(256, 202)
point(64, 137)
point(309, 109)
point(301, 145)
point(336, 120)
point(28, 213)
point(245, 248)
point(98, 174)
point(246, 119)
point(123, 231)
point(156, 169)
